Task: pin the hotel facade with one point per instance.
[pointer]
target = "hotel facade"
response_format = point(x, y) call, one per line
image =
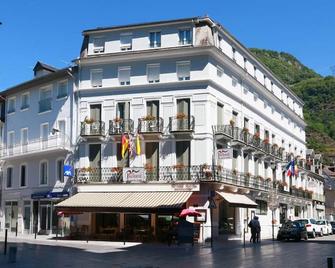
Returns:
point(207, 125)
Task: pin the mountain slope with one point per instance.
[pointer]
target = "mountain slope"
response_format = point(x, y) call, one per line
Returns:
point(316, 91)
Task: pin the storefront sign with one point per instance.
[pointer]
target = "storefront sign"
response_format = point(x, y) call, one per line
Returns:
point(203, 217)
point(68, 171)
point(225, 153)
point(133, 175)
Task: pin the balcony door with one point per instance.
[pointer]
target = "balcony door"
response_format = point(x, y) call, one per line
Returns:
point(95, 115)
point(44, 135)
point(62, 133)
point(183, 113)
point(183, 154)
point(153, 108)
point(152, 159)
point(95, 161)
point(152, 111)
point(123, 112)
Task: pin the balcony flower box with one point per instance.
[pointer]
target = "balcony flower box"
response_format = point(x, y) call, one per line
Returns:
point(149, 167)
point(179, 166)
point(232, 122)
point(266, 141)
point(89, 120)
point(117, 120)
point(268, 179)
point(245, 130)
point(181, 116)
point(149, 117)
point(234, 172)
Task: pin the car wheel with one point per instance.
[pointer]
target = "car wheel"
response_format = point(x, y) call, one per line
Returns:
point(306, 237)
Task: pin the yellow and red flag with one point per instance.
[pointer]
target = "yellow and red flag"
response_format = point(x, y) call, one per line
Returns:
point(138, 145)
point(124, 145)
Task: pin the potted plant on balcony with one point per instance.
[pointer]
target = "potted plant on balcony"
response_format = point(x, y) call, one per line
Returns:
point(283, 183)
point(179, 166)
point(117, 120)
point(266, 141)
point(257, 136)
point(206, 170)
point(260, 178)
point(234, 172)
point(232, 122)
point(149, 167)
point(245, 130)
point(88, 120)
point(180, 116)
point(268, 179)
point(149, 117)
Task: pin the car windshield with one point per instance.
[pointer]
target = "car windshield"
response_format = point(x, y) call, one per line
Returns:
point(298, 224)
point(320, 222)
point(313, 221)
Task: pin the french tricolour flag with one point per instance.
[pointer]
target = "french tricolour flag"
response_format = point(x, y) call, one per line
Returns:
point(290, 168)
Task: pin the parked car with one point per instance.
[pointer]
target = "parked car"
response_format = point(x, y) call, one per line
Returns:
point(312, 228)
point(323, 227)
point(326, 227)
point(332, 223)
point(292, 230)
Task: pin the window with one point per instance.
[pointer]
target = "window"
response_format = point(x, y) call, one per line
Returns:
point(220, 41)
point(98, 45)
point(60, 168)
point(255, 71)
point(126, 41)
point(124, 76)
point(23, 176)
point(183, 70)
point(234, 52)
point(24, 139)
point(155, 39)
point(185, 37)
point(11, 105)
point(153, 71)
point(10, 146)
point(234, 81)
point(44, 133)
point(24, 101)
point(62, 89)
point(262, 207)
point(245, 63)
point(219, 71)
point(45, 100)
point(96, 78)
point(9, 177)
point(43, 173)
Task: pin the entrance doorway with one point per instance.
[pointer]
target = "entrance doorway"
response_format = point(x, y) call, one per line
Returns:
point(226, 218)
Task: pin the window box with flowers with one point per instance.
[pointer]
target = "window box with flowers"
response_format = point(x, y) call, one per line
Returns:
point(89, 120)
point(206, 171)
point(117, 120)
point(149, 117)
point(181, 116)
point(234, 172)
point(245, 130)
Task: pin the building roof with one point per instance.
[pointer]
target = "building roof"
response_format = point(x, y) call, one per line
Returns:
point(40, 65)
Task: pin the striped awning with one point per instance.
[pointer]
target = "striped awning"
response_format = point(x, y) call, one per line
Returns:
point(126, 200)
point(237, 200)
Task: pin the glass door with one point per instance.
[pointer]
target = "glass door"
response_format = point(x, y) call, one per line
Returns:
point(26, 218)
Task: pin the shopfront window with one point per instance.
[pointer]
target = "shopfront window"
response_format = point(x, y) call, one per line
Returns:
point(107, 223)
point(138, 226)
point(226, 219)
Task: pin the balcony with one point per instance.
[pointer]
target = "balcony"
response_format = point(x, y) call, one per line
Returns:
point(90, 128)
point(118, 126)
point(241, 137)
point(223, 132)
point(181, 125)
point(143, 174)
point(44, 105)
point(318, 197)
point(151, 126)
point(241, 179)
point(50, 144)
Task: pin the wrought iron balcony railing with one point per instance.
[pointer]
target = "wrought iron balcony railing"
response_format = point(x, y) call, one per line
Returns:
point(181, 123)
point(150, 125)
point(118, 126)
point(95, 128)
point(171, 174)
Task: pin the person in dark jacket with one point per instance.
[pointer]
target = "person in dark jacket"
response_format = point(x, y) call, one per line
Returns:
point(255, 228)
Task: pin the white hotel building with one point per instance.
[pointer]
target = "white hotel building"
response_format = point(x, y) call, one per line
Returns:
point(189, 90)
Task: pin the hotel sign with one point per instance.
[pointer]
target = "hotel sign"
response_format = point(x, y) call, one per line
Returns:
point(133, 175)
point(225, 153)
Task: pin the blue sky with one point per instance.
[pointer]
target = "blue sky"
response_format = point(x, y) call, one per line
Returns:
point(50, 31)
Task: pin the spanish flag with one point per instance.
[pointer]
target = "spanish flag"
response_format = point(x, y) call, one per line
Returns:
point(138, 145)
point(124, 145)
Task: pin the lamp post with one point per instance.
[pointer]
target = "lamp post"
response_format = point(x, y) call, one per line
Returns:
point(273, 204)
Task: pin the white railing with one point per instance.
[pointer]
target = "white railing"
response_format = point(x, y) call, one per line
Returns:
point(54, 142)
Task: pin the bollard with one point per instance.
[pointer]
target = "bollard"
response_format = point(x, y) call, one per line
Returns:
point(16, 229)
point(5, 247)
point(12, 254)
point(329, 262)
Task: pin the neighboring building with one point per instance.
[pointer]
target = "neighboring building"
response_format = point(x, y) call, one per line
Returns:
point(190, 90)
point(329, 175)
point(35, 141)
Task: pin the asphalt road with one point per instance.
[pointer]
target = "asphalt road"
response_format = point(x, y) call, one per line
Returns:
point(49, 254)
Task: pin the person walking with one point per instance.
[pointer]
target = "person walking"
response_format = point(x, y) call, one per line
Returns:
point(255, 228)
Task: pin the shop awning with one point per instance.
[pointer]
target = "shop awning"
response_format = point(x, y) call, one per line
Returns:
point(237, 200)
point(126, 200)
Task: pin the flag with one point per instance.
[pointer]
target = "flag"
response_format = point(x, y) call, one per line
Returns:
point(290, 168)
point(138, 145)
point(124, 145)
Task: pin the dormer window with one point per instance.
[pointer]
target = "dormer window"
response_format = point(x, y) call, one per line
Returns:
point(185, 36)
point(126, 41)
point(98, 45)
point(155, 39)
point(124, 76)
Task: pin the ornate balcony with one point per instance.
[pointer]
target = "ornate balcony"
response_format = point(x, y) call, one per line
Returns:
point(181, 123)
point(170, 174)
point(223, 132)
point(118, 126)
point(92, 128)
point(149, 126)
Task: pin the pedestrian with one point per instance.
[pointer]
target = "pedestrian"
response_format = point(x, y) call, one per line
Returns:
point(255, 228)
